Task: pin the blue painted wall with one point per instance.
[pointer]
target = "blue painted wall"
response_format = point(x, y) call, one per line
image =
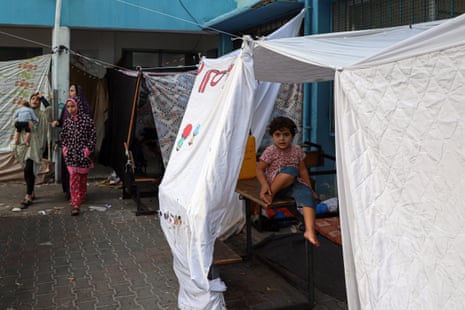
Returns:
point(319, 100)
point(114, 14)
point(28, 12)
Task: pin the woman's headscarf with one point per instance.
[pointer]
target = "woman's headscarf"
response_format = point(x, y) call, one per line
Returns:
point(82, 104)
point(75, 102)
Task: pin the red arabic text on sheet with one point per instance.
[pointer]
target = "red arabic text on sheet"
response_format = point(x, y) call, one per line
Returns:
point(213, 76)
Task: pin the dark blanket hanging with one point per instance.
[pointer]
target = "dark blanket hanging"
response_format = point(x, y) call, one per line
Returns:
point(121, 94)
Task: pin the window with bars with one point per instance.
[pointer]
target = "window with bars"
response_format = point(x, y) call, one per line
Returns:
point(157, 59)
point(368, 14)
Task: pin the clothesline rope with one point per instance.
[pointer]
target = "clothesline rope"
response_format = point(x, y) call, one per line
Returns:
point(25, 39)
point(90, 59)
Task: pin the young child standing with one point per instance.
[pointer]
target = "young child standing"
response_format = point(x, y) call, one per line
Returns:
point(23, 117)
point(281, 170)
point(78, 136)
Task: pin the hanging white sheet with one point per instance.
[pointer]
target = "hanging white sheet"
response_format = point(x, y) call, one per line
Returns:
point(202, 172)
point(401, 160)
point(315, 58)
point(201, 175)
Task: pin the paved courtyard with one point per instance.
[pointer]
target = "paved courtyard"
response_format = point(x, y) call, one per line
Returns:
point(110, 259)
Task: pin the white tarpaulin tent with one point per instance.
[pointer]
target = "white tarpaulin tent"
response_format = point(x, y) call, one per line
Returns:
point(315, 58)
point(196, 197)
point(400, 148)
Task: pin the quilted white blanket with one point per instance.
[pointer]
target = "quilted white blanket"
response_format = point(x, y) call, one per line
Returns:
point(401, 178)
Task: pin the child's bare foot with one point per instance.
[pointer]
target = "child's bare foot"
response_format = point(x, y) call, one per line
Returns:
point(311, 236)
point(26, 143)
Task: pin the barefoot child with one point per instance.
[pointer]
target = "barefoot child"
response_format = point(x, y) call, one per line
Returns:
point(23, 117)
point(281, 169)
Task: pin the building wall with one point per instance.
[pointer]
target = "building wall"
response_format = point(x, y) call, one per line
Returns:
point(108, 45)
point(110, 14)
point(103, 29)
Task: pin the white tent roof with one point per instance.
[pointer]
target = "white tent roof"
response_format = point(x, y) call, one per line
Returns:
point(400, 147)
point(315, 58)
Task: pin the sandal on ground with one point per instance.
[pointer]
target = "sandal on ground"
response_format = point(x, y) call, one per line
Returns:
point(25, 203)
point(75, 211)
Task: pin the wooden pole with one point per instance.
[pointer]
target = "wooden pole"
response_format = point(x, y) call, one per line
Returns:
point(134, 105)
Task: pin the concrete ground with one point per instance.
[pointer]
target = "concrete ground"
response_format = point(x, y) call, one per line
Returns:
point(111, 259)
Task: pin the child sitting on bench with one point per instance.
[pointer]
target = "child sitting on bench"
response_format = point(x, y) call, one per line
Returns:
point(281, 170)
